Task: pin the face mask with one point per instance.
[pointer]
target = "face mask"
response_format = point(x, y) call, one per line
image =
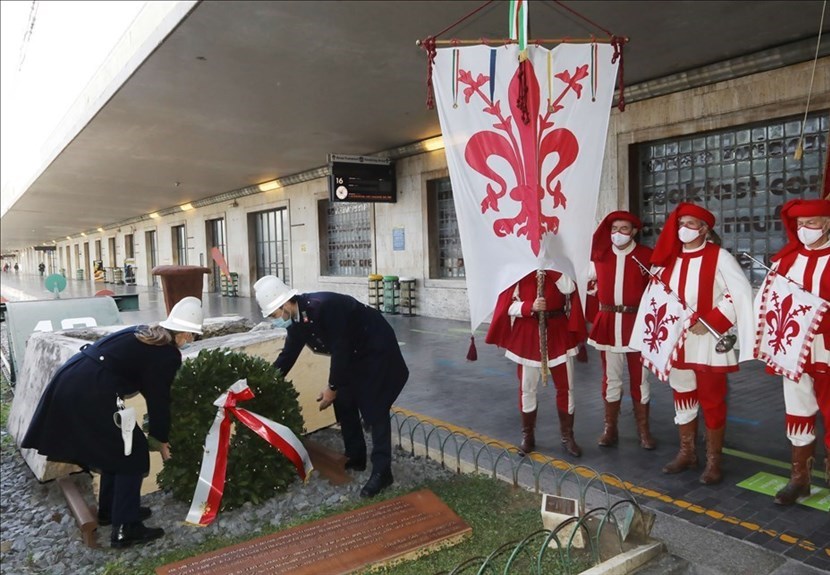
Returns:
point(687, 235)
point(619, 239)
point(184, 346)
point(278, 322)
point(809, 236)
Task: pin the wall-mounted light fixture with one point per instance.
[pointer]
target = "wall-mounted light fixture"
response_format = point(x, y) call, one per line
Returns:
point(155, 215)
point(436, 143)
point(186, 207)
point(268, 186)
point(69, 238)
point(101, 230)
point(83, 234)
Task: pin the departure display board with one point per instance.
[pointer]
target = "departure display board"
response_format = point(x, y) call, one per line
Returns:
point(362, 179)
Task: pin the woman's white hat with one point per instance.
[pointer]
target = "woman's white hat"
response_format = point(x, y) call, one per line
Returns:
point(272, 293)
point(186, 315)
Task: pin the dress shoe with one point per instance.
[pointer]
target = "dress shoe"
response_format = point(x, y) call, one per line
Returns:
point(133, 534)
point(377, 483)
point(357, 464)
point(143, 513)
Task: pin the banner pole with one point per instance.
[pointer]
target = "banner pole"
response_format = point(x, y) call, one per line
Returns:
point(543, 327)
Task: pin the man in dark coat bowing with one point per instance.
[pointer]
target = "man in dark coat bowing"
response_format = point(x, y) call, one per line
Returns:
point(367, 369)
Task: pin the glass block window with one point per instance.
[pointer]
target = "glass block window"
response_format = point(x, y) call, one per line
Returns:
point(272, 249)
point(346, 239)
point(446, 257)
point(743, 175)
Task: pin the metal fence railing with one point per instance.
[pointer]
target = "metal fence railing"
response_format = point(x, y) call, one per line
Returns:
point(614, 523)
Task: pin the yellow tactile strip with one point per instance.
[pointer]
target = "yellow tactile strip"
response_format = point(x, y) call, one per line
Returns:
point(804, 544)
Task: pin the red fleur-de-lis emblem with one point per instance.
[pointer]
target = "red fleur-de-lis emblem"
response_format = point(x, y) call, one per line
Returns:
point(657, 326)
point(781, 323)
point(525, 154)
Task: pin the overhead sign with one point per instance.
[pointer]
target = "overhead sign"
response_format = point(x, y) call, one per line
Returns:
point(361, 179)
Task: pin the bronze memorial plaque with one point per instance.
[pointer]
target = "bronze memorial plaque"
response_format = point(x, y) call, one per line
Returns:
point(377, 534)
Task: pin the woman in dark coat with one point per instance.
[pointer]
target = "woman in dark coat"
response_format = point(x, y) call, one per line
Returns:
point(367, 370)
point(75, 420)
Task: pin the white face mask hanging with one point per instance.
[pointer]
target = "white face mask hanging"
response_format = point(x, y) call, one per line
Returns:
point(124, 419)
point(809, 236)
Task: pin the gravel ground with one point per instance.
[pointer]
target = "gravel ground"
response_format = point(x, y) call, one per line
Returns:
point(38, 533)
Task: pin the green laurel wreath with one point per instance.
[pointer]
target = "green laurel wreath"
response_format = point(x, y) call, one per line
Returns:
point(256, 471)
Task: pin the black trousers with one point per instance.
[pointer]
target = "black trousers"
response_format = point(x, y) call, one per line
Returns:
point(119, 497)
point(348, 416)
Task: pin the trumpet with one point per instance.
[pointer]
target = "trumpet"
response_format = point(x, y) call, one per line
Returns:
point(725, 341)
point(769, 269)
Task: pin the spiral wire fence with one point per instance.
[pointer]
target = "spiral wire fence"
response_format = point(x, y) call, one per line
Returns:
point(593, 536)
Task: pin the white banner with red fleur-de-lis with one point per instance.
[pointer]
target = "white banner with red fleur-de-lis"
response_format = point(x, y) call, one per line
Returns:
point(211, 484)
point(660, 329)
point(788, 319)
point(525, 194)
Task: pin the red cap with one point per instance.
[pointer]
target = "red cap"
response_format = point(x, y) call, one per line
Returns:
point(668, 245)
point(602, 236)
point(793, 210)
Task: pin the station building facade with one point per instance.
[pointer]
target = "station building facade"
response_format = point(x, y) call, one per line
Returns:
point(728, 146)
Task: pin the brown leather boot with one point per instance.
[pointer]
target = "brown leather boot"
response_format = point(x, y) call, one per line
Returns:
point(714, 447)
point(641, 415)
point(528, 431)
point(686, 457)
point(566, 427)
point(799, 483)
point(609, 435)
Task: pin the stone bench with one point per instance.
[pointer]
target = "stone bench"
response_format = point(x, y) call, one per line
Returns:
point(46, 352)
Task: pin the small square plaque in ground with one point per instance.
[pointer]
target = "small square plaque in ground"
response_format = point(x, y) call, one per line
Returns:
point(377, 534)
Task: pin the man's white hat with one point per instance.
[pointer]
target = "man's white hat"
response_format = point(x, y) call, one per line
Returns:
point(186, 315)
point(272, 293)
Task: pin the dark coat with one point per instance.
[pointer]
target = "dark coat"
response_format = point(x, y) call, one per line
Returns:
point(366, 361)
point(74, 418)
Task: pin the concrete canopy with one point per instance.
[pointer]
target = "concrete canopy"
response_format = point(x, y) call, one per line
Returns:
point(240, 93)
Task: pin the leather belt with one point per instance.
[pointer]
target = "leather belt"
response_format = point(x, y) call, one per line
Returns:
point(554, 313)
point(618, 308)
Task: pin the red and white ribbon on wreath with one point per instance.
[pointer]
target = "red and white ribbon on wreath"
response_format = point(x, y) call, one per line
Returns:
point(211, 484)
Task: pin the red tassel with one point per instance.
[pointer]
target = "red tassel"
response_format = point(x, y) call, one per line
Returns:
point(428, 44)
point(618, 43)
point(472, 354)
point(521, 97)
point(582, 354)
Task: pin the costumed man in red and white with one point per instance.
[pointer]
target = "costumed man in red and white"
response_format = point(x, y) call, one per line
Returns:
point(515, 327)
point(709, 280)
point(806, 261)
point(617, 282)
